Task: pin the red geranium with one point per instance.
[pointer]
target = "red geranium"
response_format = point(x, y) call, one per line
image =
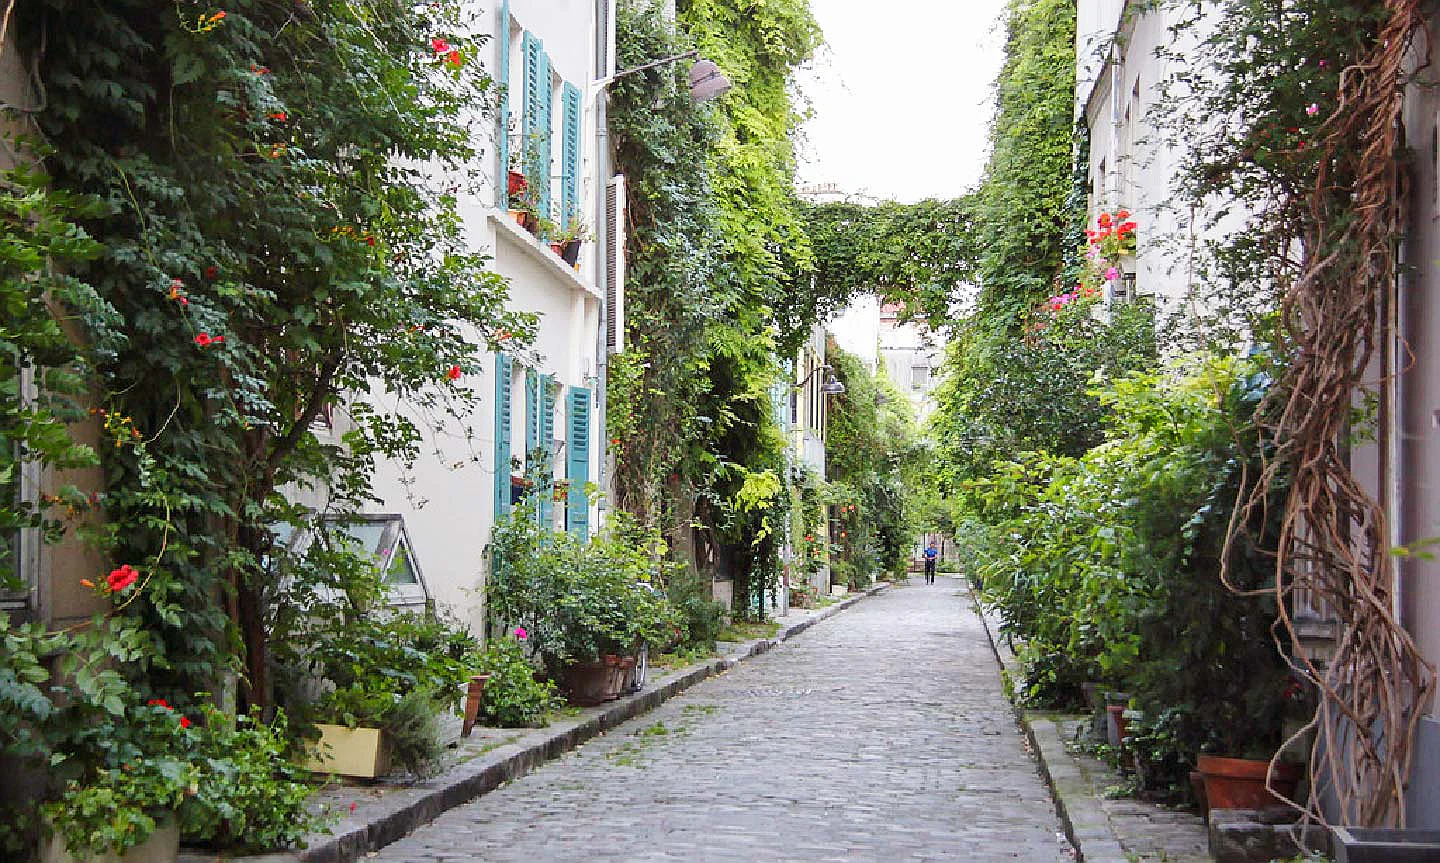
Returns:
point(454, 373)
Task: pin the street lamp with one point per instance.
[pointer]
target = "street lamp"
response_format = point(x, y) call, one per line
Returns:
point(831, 387)
point(706, 79)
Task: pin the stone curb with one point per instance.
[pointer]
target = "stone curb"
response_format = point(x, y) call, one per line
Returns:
point(1081, 817)
point(400, 812)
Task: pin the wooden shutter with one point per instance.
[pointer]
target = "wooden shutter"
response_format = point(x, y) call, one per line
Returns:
point(546, 485)
point(536, 124)
point(577, 468)
point(570, 154)
point(532, 418)
point(503, 369)
point(502, 149)
point(615, 265)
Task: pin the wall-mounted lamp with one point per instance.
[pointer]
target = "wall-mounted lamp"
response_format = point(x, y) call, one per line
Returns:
point(706, 79)
point(831, 387)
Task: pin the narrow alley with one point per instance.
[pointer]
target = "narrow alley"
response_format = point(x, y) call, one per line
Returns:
point(881, 734)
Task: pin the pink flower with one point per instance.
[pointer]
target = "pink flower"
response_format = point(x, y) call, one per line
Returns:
point(439, 46)
point(1112, 274)
point(521, 633)
point(1313, 109)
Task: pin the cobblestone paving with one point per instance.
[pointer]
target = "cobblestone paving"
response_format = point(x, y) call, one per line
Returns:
point(879, 735)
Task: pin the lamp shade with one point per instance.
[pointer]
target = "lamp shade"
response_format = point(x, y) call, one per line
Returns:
point(833, 387)
point(706, 81)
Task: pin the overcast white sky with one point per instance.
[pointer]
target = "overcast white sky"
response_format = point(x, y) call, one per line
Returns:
point(901, 96)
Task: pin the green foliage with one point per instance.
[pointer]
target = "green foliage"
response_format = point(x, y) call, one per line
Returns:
point(40, 239)
point(249, 794)
point(514, 698)
point(1004, 394)
point(871, 457)
point(916, 254)
point(273, 237)
point(1107, 564)
point(396, 672)
point(714, 245)
point(580, 600)
point(1023, 207)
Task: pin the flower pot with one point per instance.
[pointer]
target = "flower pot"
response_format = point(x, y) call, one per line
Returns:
point(570, 252)
point(1120, 724)
point(590, 683)
point(474, 691)
point(163, 846)
point(531, 223)
point(519, 217)
point(621, 668)
point(1239, 783)
point(358, 752)
point(515, 183)
point(557, 248)
point(1197, 787)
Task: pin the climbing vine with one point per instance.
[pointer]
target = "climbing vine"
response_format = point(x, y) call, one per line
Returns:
point(271, 245)
point(1314, 94)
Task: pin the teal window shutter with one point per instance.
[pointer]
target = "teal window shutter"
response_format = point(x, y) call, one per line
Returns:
point(546, 486)
point(570, 154)
point(545, 122)
point(577, 468)
point(532, 418)
point(502, 186)
point(503, 367)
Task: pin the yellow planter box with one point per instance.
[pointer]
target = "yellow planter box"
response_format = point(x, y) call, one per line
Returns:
point(359, 752)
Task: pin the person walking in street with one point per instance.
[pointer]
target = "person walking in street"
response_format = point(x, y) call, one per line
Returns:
point(931, 555)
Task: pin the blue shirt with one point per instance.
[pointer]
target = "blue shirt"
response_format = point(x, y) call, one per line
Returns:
point(932, 553)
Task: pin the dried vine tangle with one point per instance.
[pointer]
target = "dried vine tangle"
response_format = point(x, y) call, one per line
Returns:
point(1333, 542)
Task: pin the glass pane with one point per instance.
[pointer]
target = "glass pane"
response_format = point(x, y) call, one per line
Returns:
point(367, 533)
point(401, 572)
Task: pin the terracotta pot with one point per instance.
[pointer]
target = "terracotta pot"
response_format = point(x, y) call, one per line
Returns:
point(518, 216)
point(620, 669)
point(590, 683)
point(1197, 787)
point(558, 248)
point(474, 692)
point(1239, 783)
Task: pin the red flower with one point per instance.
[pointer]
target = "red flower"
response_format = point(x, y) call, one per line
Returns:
point(218, 16)
point(279, 115)
point(121, 578)
point(453, 58)
point(369, 240)
point(1122, 214)
point(454, 373)
point(352, 807)
point(203, 340)
point(440, 46)
point(184, 722)
point(1125, 228)
point(158, 702)
point(259, 70)
point(1104, 220)
point(212, 271)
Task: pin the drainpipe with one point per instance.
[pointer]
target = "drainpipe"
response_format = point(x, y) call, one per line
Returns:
point(1395, 394)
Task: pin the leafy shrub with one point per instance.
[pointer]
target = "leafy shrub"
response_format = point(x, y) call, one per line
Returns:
point(579, 600)
point(249, 795)
point(514, 698)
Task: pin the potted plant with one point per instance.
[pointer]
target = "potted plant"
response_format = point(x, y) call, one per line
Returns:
point(387, 680)
point(569, 239)
point(585, 605)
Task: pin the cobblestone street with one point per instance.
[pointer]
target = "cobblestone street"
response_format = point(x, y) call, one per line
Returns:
point(881, 734)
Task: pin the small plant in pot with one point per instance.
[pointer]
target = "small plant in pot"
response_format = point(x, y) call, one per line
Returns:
point(585, 604)
point(569, 240)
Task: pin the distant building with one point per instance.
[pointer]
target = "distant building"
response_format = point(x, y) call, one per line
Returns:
point(912, 356)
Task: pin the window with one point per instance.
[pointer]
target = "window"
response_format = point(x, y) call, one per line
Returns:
point(919, 377)
point(19, 482)
point(382, 536)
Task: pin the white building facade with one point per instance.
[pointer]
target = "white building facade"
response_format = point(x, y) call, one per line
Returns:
point(538, 431)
